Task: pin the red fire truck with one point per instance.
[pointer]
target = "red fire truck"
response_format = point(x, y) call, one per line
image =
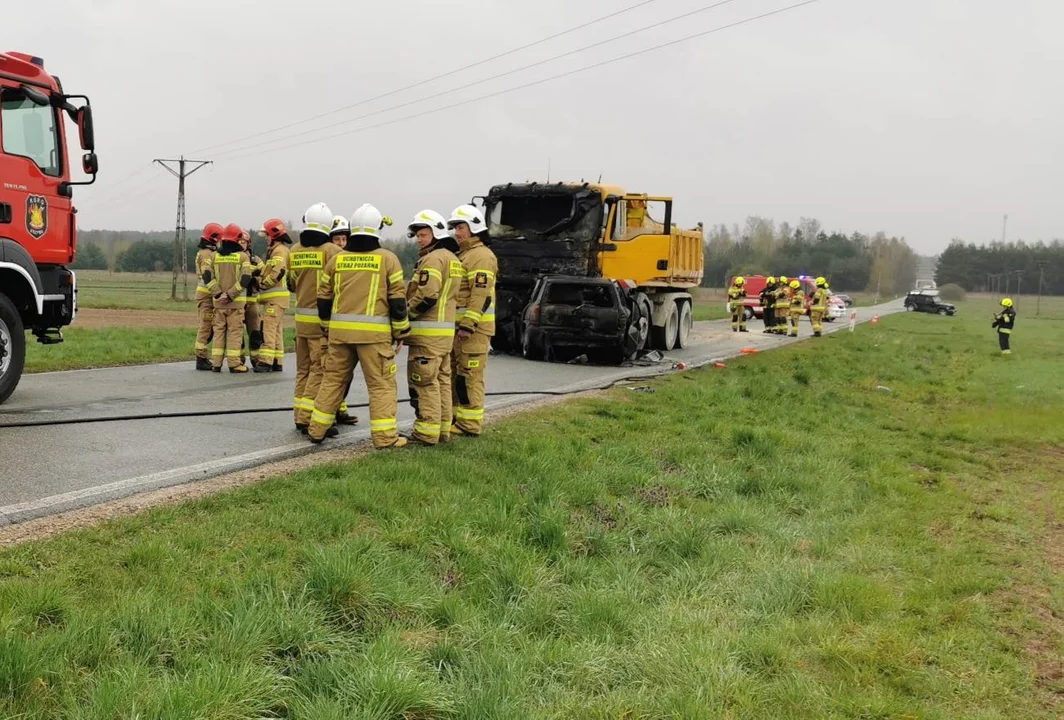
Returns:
point(37, 229)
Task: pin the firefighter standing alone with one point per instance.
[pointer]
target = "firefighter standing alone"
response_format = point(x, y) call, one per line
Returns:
point(363, 299)
point(208, 244)
point(1004, 322)
point(476, 319)
point(227, 280)
point(431, 301)
point(736, 297)
point(273, 296)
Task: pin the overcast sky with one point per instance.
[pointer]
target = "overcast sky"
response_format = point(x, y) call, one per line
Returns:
point(927, 119)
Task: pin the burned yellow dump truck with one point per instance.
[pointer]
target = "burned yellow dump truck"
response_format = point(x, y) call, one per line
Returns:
point(587, 268)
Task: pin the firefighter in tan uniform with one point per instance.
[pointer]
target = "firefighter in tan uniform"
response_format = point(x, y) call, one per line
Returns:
point(819, 307)
point(783, 305)
point(430, 299)
point(252, 317)
point(476, 319)
point(208, 244)
point(228, 279)
point(363, 299)
point(306, 261)
point(797, 306)
point(273, 296)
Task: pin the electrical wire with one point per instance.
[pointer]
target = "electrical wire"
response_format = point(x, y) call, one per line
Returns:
point(434, 78)
point(534, 83)
point(481, 81)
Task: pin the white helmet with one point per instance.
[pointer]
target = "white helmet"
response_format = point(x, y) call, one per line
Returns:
point(319, 218)
point(340, 226)
point(430, 219)
point(469, 215)
point(367, 220)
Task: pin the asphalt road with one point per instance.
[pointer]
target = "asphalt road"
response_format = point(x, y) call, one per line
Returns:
point(54, 468)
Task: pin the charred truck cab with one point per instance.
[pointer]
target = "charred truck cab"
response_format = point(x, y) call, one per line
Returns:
point(37, 229)
point(560, 246)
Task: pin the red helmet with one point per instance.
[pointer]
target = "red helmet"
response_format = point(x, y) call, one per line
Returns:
point(245, 236)
point(232, 232)
point(273, 228)
point(211, 232)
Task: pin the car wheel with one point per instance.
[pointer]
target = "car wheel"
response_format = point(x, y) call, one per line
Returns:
point(943, 311)
point(909, 308)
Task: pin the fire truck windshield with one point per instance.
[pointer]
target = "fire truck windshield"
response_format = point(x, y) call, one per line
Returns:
point(30, 131)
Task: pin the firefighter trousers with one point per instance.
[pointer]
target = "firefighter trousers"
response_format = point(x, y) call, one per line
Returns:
point(780, 326)
point(738, 317)
point(796, 315)
point(205, 334)
point(310, 363)
point(253, 323)
point(816, 319)
point(425, 370)
point(228, 336)
point(272, 350)
point(1003, 341)
point(469, 360)
point(378, 369)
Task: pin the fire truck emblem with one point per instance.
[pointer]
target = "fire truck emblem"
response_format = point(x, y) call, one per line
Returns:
point(36, 216)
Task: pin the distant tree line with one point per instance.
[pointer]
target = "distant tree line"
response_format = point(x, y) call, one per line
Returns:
point(977, 267)
point(850, 262)
point(134, 251)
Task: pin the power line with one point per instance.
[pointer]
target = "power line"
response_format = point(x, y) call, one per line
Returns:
point(441, 76)
point(180, 236)
point(474, 83)
point(534, 83)
point(110, 195)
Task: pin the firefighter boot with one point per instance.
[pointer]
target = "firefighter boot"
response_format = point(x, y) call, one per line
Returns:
point(203, 364)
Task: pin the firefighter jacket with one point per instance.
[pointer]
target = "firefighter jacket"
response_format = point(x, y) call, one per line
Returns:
point(230, 274)
point(272, 285)
point(203, 263)
point(257, 266)
point(820, 299)
point(363, 299)
point(736, 295)
point(305, 265)
point(783, 298)
point(431, 299)
point(476, 299)
point(767, 297)
point(798, 300)
point(1005, 320)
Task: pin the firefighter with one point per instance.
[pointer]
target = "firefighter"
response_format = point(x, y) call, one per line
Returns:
point(363, 299)
point(341, 231)
point(228, 278)
point(1004, 321)
point(475, 315)
point(767, 298)
point(819, 307)
point(797, 308)
point(252, 315)
point(273, 295)
point(783, 305)
point(208, 244)
point(736, 298)
point(306, 261)
point(431, 301)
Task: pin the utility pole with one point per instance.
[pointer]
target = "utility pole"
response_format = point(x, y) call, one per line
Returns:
point(1041, 277)
point(180, 237)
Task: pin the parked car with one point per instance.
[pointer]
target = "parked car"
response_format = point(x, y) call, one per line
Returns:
point(928, 301)
point(836, 308)
point(846, 299)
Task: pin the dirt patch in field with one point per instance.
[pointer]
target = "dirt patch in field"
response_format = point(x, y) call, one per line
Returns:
point(45, 527)
point(96, 318)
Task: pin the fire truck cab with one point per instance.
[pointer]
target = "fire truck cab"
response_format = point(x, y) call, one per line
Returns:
point(38, 233)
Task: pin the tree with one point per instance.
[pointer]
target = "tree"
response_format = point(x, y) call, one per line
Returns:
point(89, 257)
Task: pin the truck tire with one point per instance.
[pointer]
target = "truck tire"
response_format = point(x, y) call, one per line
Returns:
point(642, 304)
point(12, 348)
point(663, 337)
point(686, 320)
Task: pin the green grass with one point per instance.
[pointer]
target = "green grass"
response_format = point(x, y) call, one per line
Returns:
point(778, 539)
point(110, 347)
point(133, 291)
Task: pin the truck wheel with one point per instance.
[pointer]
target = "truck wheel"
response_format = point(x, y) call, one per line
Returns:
point(642, 303)
point(12, 348)
point(686, 320)
point(664, 337)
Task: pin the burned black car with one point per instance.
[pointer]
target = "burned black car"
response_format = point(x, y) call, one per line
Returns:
point(569, 316)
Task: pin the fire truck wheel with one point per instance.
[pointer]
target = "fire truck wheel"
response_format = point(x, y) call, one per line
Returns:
point(12, 348)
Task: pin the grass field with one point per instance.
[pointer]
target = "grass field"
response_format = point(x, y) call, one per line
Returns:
point(133, 291)
point(865, 526)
